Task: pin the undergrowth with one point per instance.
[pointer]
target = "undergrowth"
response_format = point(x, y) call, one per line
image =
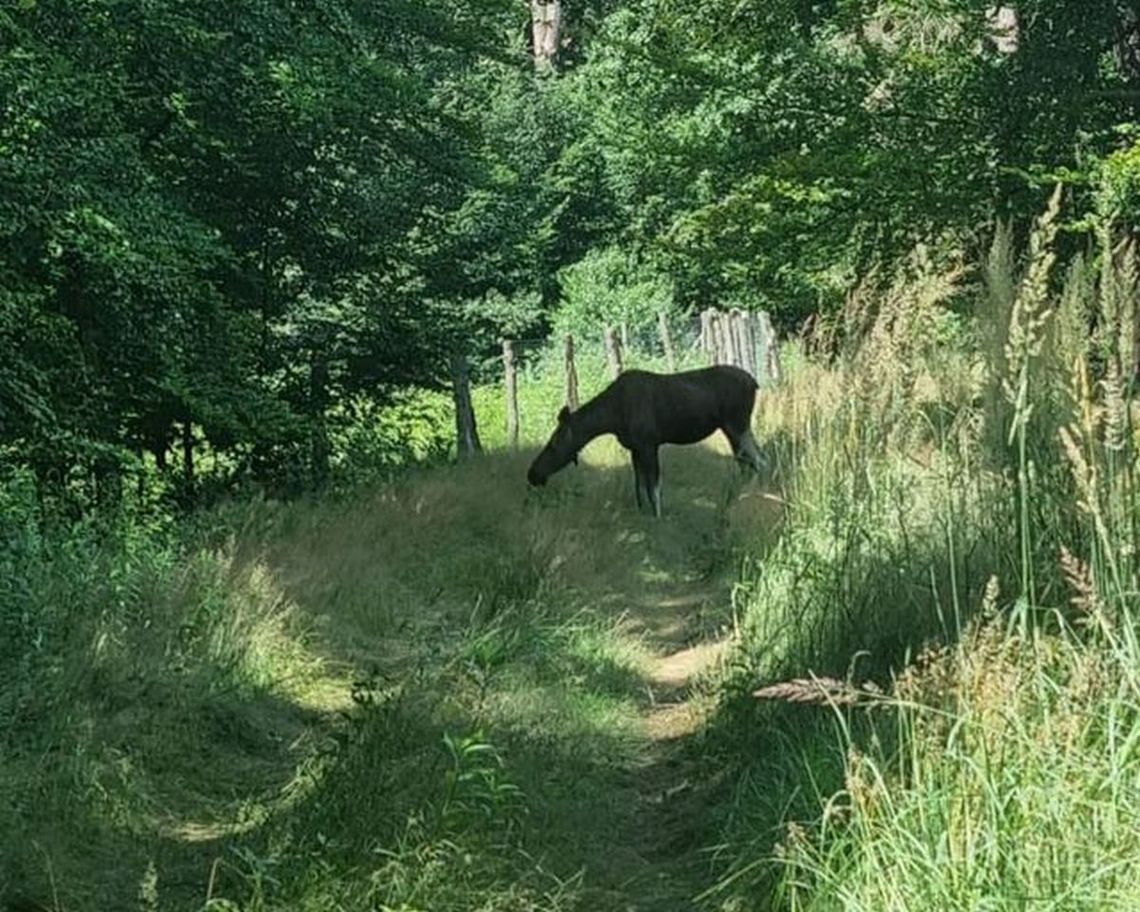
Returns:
point(936, 670)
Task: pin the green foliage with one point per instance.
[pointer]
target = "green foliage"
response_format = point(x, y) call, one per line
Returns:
point(1118, 182)
point(775, 152)
point(369, 441)
point(607, 288)
point(239, 245)
point(254, 218)
point(237, 228)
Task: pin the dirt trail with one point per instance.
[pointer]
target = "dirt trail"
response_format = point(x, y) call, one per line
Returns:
point(669, 806)
point(680, 609)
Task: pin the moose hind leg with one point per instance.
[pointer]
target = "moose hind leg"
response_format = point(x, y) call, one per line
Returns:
point(745, 449)
point(637, 478)
point(653, 480)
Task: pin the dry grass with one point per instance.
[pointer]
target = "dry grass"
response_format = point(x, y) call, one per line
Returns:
point(997, 766)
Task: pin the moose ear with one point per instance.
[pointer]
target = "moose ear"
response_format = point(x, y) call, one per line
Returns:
point(564, 415)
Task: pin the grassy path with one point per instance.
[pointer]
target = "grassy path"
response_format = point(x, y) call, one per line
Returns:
point(570, 579)
point(449, 693)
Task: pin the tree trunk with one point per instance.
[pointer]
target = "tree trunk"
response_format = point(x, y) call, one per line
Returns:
point(571, 376)
point(1004, 29)
point(546, 25)
point(511, 380)
point(466, 433)
point(1127, 40)
point(613, 352)
point(666, 341)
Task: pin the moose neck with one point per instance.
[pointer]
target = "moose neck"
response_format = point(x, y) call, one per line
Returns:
point(596, 417)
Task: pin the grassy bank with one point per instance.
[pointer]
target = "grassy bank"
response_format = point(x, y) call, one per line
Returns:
point(934, 699)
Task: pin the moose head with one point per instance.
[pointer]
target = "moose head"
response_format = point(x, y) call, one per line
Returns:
point(561, 449)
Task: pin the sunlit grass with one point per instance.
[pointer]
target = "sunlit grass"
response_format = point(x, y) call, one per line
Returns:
point(967, 546)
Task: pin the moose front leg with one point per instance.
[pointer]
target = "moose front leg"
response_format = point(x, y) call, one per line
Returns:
point(637, 482)
point(652, 470)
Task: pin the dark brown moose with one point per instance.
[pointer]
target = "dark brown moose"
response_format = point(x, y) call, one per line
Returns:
point(644, 410)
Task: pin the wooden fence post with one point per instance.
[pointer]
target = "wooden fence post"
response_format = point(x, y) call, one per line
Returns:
point(188, 454)
point(734, 334)
point(666, 341)
point(750, 345)
point(571, 376)
point(741, 336)
point(466, 433)
point(613, 352)
point(511, 379)
point(708, 343)
point(770, 353)
point(731, 354)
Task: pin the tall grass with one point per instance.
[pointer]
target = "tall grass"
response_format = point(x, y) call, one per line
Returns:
point(969, 546)
point(429, 693)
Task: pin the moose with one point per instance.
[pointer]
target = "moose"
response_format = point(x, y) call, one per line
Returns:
point(644, 410)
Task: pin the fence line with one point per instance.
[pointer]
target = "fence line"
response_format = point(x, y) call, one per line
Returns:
point(737, 337)
point(742, 339)
point(511, 379)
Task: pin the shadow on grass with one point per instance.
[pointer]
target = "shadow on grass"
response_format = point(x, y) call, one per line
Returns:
point(524, 612)
point(505, 617)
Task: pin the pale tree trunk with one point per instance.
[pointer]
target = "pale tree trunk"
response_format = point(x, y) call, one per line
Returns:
point(1005, 30)
point(1128, 41)
point(546, 23)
